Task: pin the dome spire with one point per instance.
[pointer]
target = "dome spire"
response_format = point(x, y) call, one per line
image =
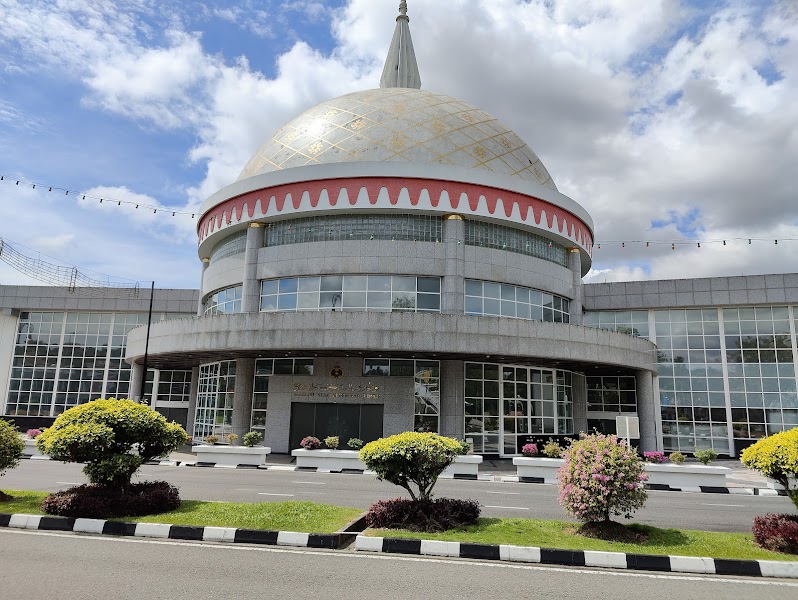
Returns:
point(401, 68)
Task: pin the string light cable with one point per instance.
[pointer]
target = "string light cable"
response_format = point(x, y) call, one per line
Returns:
point(77, 281)
point(101, 199)
point(695, 242)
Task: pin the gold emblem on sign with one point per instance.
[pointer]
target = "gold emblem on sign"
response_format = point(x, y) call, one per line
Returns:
point(337, 372)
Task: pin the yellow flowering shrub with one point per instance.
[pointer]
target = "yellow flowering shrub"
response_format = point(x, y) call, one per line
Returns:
point(411, 458)
point(776, 456)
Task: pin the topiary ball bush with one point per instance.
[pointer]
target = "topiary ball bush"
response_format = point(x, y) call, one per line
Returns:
point(11, 447)
point(777, 532)
point(102, 502)
point(429, 516)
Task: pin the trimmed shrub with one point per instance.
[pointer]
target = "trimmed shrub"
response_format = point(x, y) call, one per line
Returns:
point(113, 437)
point(677, 458)
point(211, 440)
point(252, 439)
point(332, 442)
point(439, 514)
point(355, 443)
point(705, 456)
point(777, 532)
point(776, 457)
point(231, 438)
point(412, 459)
point(11, 448)
point(655, 457)
point(552, 449)
point(310, 443)
point(529, 449)
point(101, 502)
point(601, 477)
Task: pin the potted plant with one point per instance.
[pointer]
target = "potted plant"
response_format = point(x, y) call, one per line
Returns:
point(332, 442)
point(355, 443)
point(249, 454)
point(311, 455)
point(654, 457)
point(529, 450)
point(29, 439)
point(675, 473)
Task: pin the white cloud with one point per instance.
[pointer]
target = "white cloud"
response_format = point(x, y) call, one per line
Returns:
point(639, 109)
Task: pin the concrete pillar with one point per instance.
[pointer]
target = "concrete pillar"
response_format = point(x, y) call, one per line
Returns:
point(451, 410)
point(579, 402)
point(192, 401)
point(200, 307)
point(250, 292)
point(647, 408)
point(575, 265)
point(452, 293)
point(136, 377)
point(242, 400)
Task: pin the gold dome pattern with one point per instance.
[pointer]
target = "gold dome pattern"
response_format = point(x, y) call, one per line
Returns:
point(402, 125)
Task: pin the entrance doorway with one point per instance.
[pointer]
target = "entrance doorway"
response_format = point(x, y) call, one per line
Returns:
point(323, 419)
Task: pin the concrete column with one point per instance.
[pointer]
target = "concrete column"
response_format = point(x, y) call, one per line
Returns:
point(579, 402)
point(250, 293)
point(200, 307)
point(647, 407)
point(452, 293)
point(136, 377)
point(242, 400)
point(575, 265)
point(451, 410)
point(192, 401)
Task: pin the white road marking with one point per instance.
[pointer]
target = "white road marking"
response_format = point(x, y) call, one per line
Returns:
point(737, 505)
point(509, 507)
point(310, 482)
point(266, 494)
point(357, 556)
point(506, 493)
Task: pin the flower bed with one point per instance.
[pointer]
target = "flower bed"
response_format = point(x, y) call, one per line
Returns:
point(232, 455)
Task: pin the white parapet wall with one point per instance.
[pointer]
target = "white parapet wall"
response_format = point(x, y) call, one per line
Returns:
point(538, 467)
point(463, 465)
point(328, 460)
point(687, 475)
point(232, 455)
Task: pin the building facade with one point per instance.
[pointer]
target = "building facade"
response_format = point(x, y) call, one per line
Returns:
point(396, 259)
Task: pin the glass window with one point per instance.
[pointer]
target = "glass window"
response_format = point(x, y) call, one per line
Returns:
point(514, 301)
point(419, 228)
point(226, 301)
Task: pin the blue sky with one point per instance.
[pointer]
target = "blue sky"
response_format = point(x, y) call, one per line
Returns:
point(668, 121)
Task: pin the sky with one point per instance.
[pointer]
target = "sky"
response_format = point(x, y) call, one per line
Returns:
point(673, 123)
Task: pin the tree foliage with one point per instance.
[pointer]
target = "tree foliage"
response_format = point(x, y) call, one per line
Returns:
point(11, 446)
point(113, 437)
point(601, 477)
point(776, 456)
point(412, 459)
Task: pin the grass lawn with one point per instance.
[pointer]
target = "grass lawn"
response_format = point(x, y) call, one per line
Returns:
point(303, 517)
point(559, 534)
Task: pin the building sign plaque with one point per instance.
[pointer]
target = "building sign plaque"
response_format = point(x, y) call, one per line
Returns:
point(366, 391)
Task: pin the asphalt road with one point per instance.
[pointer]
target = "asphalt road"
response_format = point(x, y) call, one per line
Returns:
point(69, 566)
point(709, 512)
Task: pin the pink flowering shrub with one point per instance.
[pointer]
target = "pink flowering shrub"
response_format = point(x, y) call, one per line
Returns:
point(600, 478)
point(33, 433)
point(655, 457)
point(529, 450)
point(310, 443)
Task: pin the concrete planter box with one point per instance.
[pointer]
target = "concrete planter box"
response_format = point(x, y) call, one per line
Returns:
point(686, 475)
point(538, 467)
point(31, 449)
point(328, 460)
point(463, 465)
point(232, 455)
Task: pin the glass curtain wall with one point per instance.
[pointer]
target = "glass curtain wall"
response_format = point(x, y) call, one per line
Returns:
point(265, 368)
point(426, 386)
point(506, 403)
point(215, 394)
point(505, 300)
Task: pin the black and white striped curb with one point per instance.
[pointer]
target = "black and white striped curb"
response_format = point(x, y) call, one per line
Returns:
point(580, 558)
point(231, 535)
point(659, 487)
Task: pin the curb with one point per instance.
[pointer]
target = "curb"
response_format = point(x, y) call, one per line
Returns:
point(579, 558)
point(659, 487)
point(230, 535)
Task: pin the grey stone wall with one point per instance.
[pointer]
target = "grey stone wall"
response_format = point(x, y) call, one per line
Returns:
point(394, 393)
point(34, 297)
point(691, 293)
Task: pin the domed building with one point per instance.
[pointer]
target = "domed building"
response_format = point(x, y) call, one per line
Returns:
point(390, 260)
